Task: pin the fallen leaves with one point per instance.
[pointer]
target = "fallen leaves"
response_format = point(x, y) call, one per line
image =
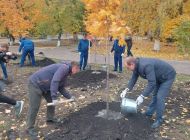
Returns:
point(2, 122)
point(188, 121)
point(7, 111)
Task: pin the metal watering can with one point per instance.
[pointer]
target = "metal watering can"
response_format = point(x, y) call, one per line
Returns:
point(128, 106)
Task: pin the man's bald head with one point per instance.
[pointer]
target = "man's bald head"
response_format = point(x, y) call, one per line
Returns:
point(130, 63)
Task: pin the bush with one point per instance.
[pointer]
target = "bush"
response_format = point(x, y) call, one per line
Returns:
point(182, 36)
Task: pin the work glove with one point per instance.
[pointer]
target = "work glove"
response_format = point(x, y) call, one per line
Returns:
point(122, 54)
point(140, 99)
point(55, 102)
point(9, 53)
point(79, 53)
point(72, 98)
point(124, 92)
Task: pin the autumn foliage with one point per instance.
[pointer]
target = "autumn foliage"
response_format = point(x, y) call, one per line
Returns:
point(106, 18)
point(18, 17)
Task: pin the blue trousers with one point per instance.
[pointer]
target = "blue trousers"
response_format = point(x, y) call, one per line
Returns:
point(117, 60)
point(83, 60)
point(23, 57)
point(158, 99)
point(4, 70)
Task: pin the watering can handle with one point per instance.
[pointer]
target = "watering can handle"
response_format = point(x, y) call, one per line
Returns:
point(128, 92)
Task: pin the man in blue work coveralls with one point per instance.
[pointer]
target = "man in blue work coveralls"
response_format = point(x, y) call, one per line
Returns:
point(47, 83)
point(118, 53)
point(27, 47)
point(83, 48)
point(160, 76)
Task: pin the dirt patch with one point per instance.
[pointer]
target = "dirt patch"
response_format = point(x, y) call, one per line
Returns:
point(78, 119)
point(42, 62)
point(85, 79)
point(84, 125)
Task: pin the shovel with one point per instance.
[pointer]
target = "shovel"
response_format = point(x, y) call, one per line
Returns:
point(60, 102)
point(66, 101)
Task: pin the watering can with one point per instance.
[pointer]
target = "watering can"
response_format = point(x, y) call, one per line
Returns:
point(128, 106)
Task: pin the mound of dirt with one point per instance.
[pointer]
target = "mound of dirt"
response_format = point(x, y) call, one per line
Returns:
point(41, 62)
point(84, 125)
point(88, 79)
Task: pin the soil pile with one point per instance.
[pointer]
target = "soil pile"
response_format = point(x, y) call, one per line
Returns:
point(89, 79)
point(84, 125)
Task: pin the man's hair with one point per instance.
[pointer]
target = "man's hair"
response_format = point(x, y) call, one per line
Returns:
point(130, 60)
point(73, 64)
point(5, 46)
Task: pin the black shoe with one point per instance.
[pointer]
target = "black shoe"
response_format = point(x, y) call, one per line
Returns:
point(114, 70)
point(157, 123)
point(53, 121)
point(148, 114)
point(32, 132)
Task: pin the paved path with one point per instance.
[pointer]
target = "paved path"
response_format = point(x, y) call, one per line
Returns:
point(182, 67)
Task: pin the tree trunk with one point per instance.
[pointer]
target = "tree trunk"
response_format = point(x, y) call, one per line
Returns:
point(156, 45)
point(75, 37)
point(59, 40)
point(11, 39)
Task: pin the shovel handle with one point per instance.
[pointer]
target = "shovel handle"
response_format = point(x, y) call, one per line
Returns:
point(59, 102)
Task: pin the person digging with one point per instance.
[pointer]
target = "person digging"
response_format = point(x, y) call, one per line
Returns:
point(46, 83)
point(160, 76)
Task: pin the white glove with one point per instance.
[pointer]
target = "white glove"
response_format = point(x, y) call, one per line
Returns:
point(72, 98)
point(122, 54)
point(79, 53)
point(124, 92)
point(140, 100)
point(9, 53)
point(55, 102)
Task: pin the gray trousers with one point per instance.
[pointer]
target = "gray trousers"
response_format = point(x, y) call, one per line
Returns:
point(35, 95)
point(158, 99)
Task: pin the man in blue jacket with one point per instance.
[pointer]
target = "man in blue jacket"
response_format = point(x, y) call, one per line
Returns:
point(27, 47)
point(118, 53)
point(160, 76)
point(83, 48)
point(47, 83)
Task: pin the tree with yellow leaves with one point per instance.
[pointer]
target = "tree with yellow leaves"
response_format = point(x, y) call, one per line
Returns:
point(106, 17)
point(19, 17)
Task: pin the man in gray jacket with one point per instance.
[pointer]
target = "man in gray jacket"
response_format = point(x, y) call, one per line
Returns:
point(160, 76)
point(47, 82)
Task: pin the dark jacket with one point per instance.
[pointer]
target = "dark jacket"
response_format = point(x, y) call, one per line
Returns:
point(129, 42)
point(26, 44)
point(118, 50)
point(2, 57)
point(84, 45)
point(154, 70)
point(52, 79)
